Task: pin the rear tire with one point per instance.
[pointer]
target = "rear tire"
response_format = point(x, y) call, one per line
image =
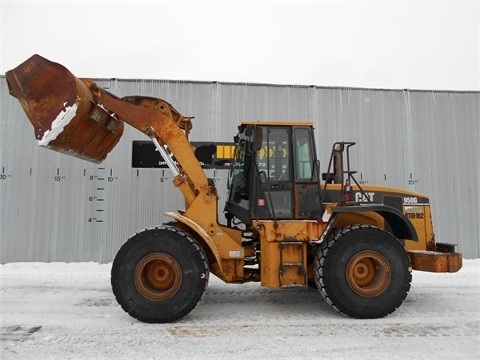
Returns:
point(362, 271)
point(159, 275)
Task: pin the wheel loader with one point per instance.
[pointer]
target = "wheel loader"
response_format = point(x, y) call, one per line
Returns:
point(286, 224)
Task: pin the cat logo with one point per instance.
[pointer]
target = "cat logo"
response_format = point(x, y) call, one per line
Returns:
point(360, 197)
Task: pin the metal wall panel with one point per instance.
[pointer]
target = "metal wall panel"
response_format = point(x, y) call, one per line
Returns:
point(59, 208)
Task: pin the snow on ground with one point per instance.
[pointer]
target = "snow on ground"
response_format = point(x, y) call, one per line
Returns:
point(67, 311)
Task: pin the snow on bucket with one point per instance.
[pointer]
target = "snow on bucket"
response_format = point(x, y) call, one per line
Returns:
point(62, 110)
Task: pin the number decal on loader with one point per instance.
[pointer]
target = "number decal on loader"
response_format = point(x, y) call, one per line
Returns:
point(413, 216)
point(410, 200)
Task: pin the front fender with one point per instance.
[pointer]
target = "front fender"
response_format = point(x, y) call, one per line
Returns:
point(197, 229)
point(401, 227)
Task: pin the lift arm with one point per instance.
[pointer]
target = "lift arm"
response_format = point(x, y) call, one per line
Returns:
point(77, 117)
point(167, 128)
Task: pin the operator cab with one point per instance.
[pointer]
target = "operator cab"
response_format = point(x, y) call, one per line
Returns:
point(274, 174)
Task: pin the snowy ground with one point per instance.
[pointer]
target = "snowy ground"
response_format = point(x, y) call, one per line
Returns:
point(67, 311)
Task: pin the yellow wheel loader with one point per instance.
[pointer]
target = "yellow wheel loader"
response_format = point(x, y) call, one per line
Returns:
point(287, 224)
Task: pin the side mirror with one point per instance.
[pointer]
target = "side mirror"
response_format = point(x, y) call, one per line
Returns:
point(328, 178)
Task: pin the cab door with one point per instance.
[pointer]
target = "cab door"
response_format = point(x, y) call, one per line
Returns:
point(274, 169)
point(307, 194)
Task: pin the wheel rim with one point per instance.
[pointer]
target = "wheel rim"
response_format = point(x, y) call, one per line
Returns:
point(368, 273)
point(158, 276)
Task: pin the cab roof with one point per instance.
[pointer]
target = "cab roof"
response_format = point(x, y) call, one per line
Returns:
point(277, 123)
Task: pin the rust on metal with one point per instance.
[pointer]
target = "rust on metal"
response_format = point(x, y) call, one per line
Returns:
point(368, 273)
point(62, 111)
point(158, 276)
point(183, 122)
point(434, 261)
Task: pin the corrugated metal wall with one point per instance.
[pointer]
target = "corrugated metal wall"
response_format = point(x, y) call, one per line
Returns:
point(58, 208)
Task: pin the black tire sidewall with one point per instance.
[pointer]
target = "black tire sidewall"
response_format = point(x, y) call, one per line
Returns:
point(335, 265)
point(194, 275)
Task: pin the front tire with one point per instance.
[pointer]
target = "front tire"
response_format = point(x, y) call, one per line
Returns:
point(362, 271)
point(159, 275)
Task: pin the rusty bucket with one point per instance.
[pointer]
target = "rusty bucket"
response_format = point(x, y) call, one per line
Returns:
point(62, 110)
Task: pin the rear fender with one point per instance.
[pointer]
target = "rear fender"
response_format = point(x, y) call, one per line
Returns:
point(400, 226)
